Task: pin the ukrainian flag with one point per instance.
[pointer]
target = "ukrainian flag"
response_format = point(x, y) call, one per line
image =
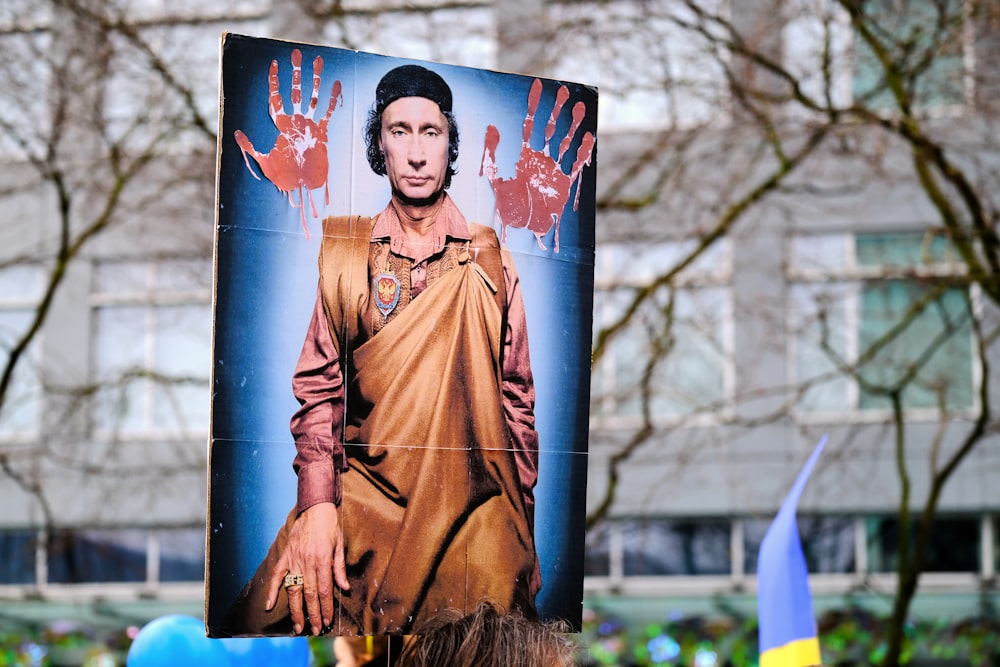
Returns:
point(786, 624)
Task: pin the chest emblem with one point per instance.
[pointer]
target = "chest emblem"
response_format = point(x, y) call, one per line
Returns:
point(386, 292)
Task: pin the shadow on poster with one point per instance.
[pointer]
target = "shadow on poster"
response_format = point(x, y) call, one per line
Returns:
point(400, 395)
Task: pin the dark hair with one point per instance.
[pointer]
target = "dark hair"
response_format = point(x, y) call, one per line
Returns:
point(488, 637)
point(376, 158)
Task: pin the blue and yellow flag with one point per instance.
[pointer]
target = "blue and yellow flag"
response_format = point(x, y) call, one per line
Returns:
point(786, 624)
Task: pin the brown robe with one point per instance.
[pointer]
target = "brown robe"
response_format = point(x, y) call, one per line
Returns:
point(432, 512)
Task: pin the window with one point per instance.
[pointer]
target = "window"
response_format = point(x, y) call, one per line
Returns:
point(152, 332)
point(827, 543)
point(707, 555)
point(869, 309)
point(96, 556)
point(675, 352)
point(462, 35)
point(597, 546)
point(652, 73)
point(811, 26)
point(994, 534)
point(954, 545)
point(182, 554)
point(926, 40)
point(20, 292)
point(141, 105)
point(26, 45)
point(675, 547)
point(18, 550)
point(103, 555)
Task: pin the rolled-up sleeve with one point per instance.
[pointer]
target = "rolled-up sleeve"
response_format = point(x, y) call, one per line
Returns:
point(519, 386)
point(317, 426)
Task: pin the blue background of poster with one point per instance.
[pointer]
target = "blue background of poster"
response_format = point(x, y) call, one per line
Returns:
point(266, 277)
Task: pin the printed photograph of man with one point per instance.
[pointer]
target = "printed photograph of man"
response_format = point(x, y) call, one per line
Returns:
point(416, 453)
point(449, 368)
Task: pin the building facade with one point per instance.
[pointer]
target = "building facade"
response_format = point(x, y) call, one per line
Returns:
point(765, 274)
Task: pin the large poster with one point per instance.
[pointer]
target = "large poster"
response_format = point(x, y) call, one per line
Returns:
point(401, 367)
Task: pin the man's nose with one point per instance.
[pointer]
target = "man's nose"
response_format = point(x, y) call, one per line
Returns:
point(416, 154)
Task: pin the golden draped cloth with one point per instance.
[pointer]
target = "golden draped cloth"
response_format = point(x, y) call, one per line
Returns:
point(432, 511)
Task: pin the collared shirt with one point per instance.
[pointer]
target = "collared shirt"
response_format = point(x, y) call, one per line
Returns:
point(318, 385)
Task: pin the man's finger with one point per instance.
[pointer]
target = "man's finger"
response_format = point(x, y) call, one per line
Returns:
point(275, 583)
point(295, 608)
point(326, 607)
point(312, 603)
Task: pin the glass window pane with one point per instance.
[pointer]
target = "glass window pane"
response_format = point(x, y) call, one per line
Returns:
point(819, 330)
point(691, 374)
point(954, 544)
point(650, 71)
point(817, 44)
point(183, 353)
point(902, 250)
point(996, 544)
point(820, 253)
point(827, 543)
point(26, 65)
point(17, 556)
point(597, 558)
point(913, 30)
point(21, 407)
point(938, 336)
point(677, 341)
point(182, 554)
point(95, 556)
point(676, 547)
point(121, 352)
point(153, 346)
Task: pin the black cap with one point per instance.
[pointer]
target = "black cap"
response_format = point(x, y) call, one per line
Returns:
point(412, 81)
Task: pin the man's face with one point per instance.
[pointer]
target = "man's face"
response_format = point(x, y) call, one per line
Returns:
point(415, 142)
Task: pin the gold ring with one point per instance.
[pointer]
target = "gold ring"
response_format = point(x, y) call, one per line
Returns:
point(294, 580)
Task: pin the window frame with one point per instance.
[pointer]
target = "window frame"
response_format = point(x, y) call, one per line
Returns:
point(614, 271)
point(852, 277)
point(740, 581)
point(150, 298)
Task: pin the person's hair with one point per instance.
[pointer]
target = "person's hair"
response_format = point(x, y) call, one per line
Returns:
point(376, 158)
point(488, 637)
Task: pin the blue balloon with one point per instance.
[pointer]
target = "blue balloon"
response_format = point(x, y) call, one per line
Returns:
point(268, 651)
point(291, 651)
point(175, 640)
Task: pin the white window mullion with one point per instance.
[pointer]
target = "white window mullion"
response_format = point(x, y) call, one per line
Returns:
point(987, 556)
point(616, 552)
point(860, 547)
point(736, 551)
point(41, 559)
point(153, 557)
point(852, 334)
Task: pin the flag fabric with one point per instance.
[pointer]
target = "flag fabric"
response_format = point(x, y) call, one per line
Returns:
point(786, 624)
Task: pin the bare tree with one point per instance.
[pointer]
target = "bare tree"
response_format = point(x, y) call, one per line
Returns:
point(744, 123)
point(840, 101)
point(109, 150)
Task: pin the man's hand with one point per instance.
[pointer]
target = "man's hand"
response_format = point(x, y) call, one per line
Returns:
point(315, 550)
point(298, 160)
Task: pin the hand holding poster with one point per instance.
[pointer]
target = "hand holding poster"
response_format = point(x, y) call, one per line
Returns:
point(435, 456)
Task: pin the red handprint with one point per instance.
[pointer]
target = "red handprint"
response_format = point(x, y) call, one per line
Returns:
point(298, 160)
point(536, 196)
